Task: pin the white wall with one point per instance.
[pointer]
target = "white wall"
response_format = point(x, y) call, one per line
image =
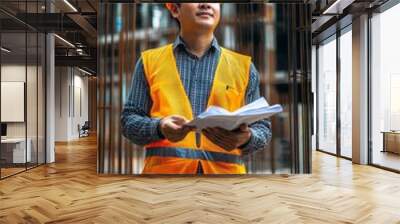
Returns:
point(71, 94)
point(61, 103)
point(81, 100)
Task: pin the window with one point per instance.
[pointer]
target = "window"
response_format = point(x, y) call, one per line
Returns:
point(385, 88)
point(346, 93)
point(327, 96)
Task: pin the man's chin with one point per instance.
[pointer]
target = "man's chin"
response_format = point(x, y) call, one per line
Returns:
point(205, 25)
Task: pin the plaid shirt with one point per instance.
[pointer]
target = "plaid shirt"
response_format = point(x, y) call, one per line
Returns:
point(197, 76)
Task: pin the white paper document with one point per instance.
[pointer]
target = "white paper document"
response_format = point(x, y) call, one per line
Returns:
point(218, 117)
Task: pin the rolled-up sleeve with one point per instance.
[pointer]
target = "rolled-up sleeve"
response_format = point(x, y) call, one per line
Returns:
point(261, 130)
point(136, 124)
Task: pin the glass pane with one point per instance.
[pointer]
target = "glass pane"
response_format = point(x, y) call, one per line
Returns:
point(385, 86)
point(327, 97)
point(14, 153)
point(22, 79)
point(41, 98)
point(32, 87)
point(346, 94)
point(31, 97)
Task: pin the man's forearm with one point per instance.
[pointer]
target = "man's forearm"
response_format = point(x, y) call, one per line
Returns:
point(260, 136)
point(140, 129)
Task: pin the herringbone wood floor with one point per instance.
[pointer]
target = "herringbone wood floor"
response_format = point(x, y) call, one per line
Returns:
point(70, 191)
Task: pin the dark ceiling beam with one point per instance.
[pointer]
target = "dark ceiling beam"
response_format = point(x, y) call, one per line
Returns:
point(54, 23)
point(84, 24)
point(49, 22)
point(11, 25)
point(337, 7)
point(91, 5)
point(92, 14)
point(81, 61)
point(16, 18)
point(87, 51)
point(78, 18)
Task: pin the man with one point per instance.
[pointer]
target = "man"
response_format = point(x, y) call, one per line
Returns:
point(174, 83)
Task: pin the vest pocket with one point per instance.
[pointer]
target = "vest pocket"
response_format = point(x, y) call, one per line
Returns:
point(227, 96)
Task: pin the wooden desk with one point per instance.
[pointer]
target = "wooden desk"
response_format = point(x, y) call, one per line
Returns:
point(391, 141)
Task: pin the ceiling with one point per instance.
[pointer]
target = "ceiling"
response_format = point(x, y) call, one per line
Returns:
point(73, 20)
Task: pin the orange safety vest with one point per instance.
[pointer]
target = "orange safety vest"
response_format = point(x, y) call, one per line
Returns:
point(169, 98)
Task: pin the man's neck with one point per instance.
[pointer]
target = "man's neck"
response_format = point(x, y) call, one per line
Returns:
point(197, 44)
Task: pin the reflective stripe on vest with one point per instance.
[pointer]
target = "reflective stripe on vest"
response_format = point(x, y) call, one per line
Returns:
point(194, 154)
point(169, 98)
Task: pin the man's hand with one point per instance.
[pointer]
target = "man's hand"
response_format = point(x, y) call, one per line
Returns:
point(228, 140)
point(173, 128)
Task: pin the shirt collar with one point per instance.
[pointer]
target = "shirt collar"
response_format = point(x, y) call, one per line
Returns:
point(179, 42)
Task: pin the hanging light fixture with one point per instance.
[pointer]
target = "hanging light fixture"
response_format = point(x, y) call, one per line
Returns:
point(70, 5)
point(5, 50)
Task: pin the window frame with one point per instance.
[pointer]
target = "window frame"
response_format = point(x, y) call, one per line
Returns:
point(333, 37)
